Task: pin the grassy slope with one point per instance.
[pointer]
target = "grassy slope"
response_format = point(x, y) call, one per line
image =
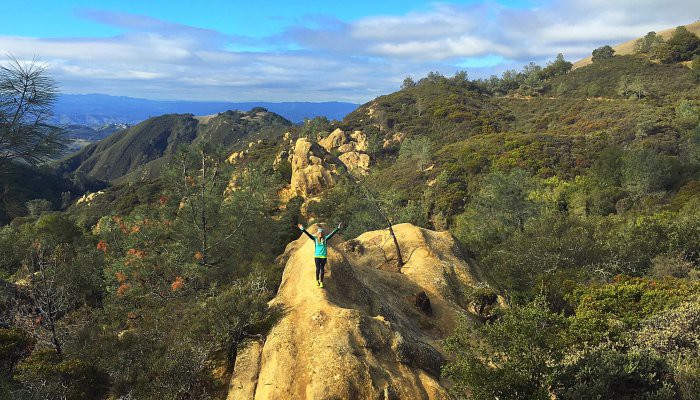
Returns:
point(603, 79)
point(628, 47)
point(124, 151)
point(143, 149)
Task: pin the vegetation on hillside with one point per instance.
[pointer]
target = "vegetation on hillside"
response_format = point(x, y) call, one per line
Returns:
point(577, 192)
point(141, 151)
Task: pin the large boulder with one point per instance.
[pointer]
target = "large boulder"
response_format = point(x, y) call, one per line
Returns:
point(344, 142)
point(362, 337)
point(313, 169)
point(336, 139)
point(356, 162)
point(350, 147)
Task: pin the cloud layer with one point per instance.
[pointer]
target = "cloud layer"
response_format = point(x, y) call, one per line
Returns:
point(324, 58)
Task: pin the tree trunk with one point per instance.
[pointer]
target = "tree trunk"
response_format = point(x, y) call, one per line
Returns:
point(203, 211)
point(52, 327)
point(371, 197)
point(399, 257)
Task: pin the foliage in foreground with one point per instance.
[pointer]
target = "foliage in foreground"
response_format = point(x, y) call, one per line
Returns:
point(631, 339)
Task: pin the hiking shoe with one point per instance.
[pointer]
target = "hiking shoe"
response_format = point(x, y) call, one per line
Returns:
point(320, 284)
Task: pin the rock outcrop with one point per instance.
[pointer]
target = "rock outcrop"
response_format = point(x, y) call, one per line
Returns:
point(316, 168)
point(351, 147)
point(362, 337)
point(313, 169)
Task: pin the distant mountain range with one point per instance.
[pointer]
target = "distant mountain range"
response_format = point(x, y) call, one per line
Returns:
point(97, 110)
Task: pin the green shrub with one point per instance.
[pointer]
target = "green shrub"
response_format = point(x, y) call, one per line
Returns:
point(511, 358)
point(608, 373)
point(683, 45)
point(44, 375)
point(602, 53)
point(15, 344)
point(551, 246)
point(675, 332)
point(608, 311)
point(686, 374)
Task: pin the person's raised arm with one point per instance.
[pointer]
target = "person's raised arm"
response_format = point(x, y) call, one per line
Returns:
point(334, 231)
point(301, 228)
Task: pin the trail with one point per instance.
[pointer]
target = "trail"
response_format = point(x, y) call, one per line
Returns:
point(361, 337)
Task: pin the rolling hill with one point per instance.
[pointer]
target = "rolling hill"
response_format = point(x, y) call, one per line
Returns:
point(627, 48)
point(143, 148)
point(544, 248)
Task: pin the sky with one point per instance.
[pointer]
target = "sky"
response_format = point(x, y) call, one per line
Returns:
point(308, 50)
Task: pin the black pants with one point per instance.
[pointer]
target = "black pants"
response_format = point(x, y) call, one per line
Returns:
point(320, 265)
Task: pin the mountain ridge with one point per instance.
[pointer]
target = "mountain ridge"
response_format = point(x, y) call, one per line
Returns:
point(364, 335)
point(100, 109)
point(145, 147)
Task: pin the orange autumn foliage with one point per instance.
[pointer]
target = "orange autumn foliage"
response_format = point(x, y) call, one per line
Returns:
point(178, 284)
point(122, 289)
point(136, 253)
point(198, 256)
point(102, 246)
point(120, 276)
point(120, 223)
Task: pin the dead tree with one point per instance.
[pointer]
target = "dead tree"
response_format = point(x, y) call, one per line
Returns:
point(49, 299)
point(373, 198)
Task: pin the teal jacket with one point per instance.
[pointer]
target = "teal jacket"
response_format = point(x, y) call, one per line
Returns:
point(321, 250)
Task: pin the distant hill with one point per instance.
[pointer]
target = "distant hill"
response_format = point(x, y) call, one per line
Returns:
point(99, 109)
point(91, 133)
point(144, 148)
point(627, 48)
point(83, 135)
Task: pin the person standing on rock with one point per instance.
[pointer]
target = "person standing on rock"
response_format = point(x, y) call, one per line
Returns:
point(321, 250)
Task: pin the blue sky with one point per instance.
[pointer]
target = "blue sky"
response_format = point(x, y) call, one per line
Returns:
point(310, 50)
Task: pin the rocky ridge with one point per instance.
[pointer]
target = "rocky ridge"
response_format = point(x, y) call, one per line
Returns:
point(362, 337)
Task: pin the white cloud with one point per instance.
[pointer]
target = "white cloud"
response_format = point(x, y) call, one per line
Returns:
point(328, 59)
point(448, 32)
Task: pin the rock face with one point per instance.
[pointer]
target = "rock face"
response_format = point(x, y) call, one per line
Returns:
point(313, 169)
point(356, 162)
point(362, 337)
point(352, 148)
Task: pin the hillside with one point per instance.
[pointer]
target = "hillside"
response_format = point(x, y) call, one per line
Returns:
point(363, 335)
point(550, 217)
point(142, 149)
point(627, 48)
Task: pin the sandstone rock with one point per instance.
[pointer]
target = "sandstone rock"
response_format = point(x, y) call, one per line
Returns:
point(244, 382)
point(313, 169)
point(88, 198)
point(394, 140)
point(281, 156)
point(336, 139)
point(234, 157)
point(361, 337)
point(344, 148)
point(356, 162)
point(360, 139)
